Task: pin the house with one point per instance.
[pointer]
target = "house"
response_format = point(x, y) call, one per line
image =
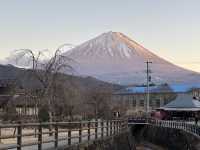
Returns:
point(183, 102)
point(15, 101)
point(5, 96)
point(183, 107)
point(26, 106)
point(134, 98)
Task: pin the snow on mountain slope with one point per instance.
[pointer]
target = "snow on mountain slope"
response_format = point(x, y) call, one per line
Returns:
point(113, 57)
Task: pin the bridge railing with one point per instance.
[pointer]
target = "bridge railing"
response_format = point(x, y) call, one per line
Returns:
point(137, 120)
point(58, 133)
point(191, 128)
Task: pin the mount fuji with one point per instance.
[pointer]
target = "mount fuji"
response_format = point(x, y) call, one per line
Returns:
point(115, 58)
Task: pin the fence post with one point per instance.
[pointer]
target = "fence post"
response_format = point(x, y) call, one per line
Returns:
point(69, 137)
point(35, 132)
point(50, 129)
point(80, 132)
point(114, 124)
point(19, 136)
point(89, 131)
point(118, 126)
point(56, 136)
point(96, 129)
point(122, 126)
point(111, 128)
point(102, 129)
point(40, 137)
point(107, 128)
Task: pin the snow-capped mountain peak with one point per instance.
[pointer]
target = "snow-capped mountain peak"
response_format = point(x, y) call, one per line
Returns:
point(111, 44)
point(114, 57)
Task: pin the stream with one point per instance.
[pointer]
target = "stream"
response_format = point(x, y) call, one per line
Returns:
point(148, 146)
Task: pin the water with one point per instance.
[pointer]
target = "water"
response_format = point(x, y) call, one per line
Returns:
point(148, 146)
point(144, 148)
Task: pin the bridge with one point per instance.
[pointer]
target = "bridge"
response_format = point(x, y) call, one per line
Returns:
point(184, 126)
point(54, 135)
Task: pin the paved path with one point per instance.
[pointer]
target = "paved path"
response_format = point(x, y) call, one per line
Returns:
point(50, 146)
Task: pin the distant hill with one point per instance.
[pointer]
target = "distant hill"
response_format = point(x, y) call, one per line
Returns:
point(115, 58)
point(22, 78)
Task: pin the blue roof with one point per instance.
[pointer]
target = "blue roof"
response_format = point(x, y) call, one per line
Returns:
point(177, 88)
point(136, 89)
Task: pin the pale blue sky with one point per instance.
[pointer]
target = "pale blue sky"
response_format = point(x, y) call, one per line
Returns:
point(169, 28)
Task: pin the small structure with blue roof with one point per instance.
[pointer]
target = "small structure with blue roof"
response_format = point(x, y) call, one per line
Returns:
point(134, 98)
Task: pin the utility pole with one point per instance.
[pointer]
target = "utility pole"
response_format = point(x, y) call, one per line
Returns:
point(148, 80)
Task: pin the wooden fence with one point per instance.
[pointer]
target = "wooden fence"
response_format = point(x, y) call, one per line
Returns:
point(55, 132)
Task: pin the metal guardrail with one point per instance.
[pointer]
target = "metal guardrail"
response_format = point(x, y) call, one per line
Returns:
point(191, 128)
point(137, 121)
point(82, 131)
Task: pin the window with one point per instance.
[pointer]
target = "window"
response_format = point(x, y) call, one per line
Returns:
point(142, 103)
point(129, 100)
point(134, 102)
point(126, 102)
point(157, 102)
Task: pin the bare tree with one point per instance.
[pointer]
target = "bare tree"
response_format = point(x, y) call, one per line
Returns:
point(47, 72)
point(67, 96)
point(99, 102)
